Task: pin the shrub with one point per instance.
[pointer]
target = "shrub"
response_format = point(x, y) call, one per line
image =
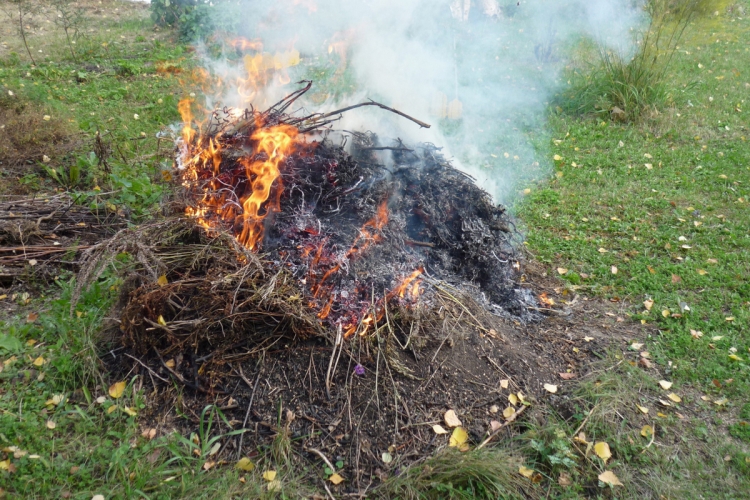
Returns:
point(624, 87)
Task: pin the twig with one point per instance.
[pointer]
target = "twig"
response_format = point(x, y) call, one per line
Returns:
point(147, 368)
point(505, 424)
point(653, 434)
point(335, 355)
point(330, 495)
point(320, 454)
point(315, 118)
point(591, 411)
point(249, 405)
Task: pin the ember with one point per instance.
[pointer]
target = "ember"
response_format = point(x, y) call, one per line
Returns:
point(357, 231)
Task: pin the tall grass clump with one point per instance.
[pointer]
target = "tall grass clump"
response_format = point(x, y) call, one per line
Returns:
point(625, 86)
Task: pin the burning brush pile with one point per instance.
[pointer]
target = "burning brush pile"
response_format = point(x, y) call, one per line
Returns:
point(308, 238)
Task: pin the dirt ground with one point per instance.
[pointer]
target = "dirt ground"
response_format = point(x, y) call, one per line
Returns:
point(381, 421)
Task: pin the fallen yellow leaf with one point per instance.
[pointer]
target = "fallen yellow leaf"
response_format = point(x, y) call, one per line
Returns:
point(562, 270)
point(458, 438)
point(438, 429)
point(508, 412)
point(162, 280)
point(602, 451)
point(111, 409)
point(38, 361)
point(608, 477)
point(161, 321)
point(674, 397)
point(513, 399)
point(702, 272)
point(525, 471)
point(648, 304)
point(116, 389)
point(336, 479)
point(451, 419)
point(734, 357)
point(647, 431)
point(51, 424)
point(504, 383)
point(245, 464)
point(269, 475)
point(129, 411)
point(550, 388)
point(665, 385)
point(643, 409)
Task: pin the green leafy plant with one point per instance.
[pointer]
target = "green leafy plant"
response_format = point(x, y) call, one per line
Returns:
point(76, 173)
point(201, 446)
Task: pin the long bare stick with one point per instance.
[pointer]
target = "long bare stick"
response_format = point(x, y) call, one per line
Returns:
point(507, 422)
point(422, 124)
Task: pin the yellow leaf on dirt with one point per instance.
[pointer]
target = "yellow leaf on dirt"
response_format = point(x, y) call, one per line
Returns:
point(602, 451)
point(648, 304)
point(643, 409)
point(116, 389)
point(451, 419)
point(38, 361)
point(608, 477)
point(504, 383)
point(525, 471)
point(336, 479)
point(269, 475)
point(458, 438)
point(438, 429)
point(665, 385)
point(721, 402)
point(495, 425)
point(674, 397)
point(647, 431)
point(550, 388)
point(161, 321)
point(245, 464)
point(508, 412)
point(562, 270)
point(513, 399)
point(130, 411)
point(162, 280)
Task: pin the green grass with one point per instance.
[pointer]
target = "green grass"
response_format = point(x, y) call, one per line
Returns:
point(602, 195)
point(666, 203)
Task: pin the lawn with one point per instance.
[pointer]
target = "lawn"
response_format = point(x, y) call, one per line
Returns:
point(651, 216)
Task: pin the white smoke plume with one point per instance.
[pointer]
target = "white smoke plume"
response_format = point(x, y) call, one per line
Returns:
point(480, 71)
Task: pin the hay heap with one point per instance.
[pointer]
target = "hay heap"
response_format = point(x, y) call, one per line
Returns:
point(345, 244)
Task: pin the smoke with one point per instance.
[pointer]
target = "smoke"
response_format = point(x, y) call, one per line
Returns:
point(480, 71)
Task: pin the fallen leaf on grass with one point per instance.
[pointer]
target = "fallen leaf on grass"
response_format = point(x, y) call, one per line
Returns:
point(613, 269)
point(567, 376)
point(674, 397)
point(550, 388)
point(458, 438)
point(336, 479)
point(602, 451)
point(665, 385)
point(647, 431)
point(643, 409)
point(648, 304)
point(734, 357)
point(129, 411)
point(564, 480)
point(116, 389)
point(696, 334)
point(38, 361)
point(666, 313)
point(245, 464)
point(608, 477)
point(438, 429)
point(274, 485)
point(208, 465)
point(636, 346)
point(721, 402)
point(149, 434)
point(729, 318)
point(269, 475)
point(702, 272)
point(51, 425)
point(32, 317)
point(675, 278)
point(451, 419)
point(562, 270)
point(525, 471)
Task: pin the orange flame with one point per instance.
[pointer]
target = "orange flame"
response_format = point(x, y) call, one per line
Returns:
point(277, 143)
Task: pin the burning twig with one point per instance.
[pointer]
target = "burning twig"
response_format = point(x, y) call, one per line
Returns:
point(317, 118)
